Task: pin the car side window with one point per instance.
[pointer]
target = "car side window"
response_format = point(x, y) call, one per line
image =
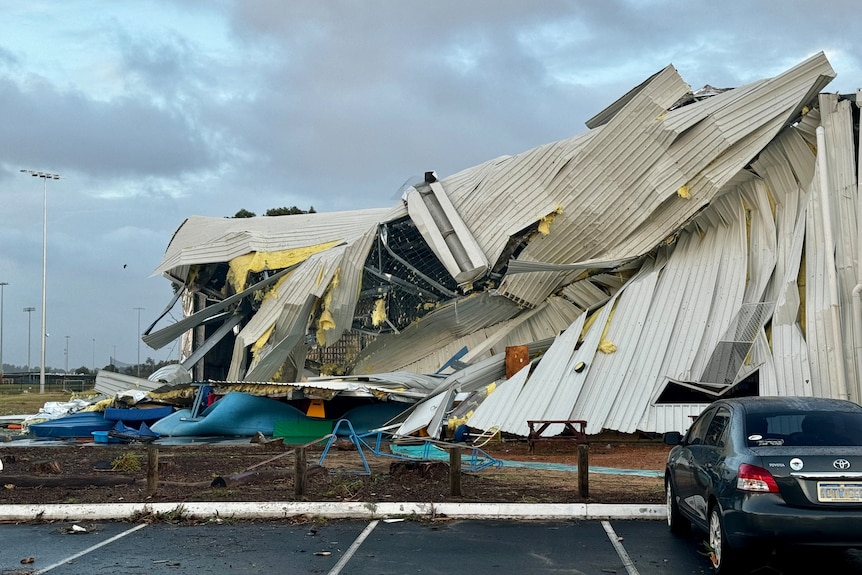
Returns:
point(697, 432)
point(715, 432)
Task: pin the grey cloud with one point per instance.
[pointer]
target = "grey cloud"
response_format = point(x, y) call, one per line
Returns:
point(8, 59)
point(122, 136)
point(335, 104)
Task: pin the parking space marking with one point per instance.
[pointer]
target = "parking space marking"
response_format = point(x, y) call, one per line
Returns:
point(90, 549)
point(621, 551)
point(353, 547)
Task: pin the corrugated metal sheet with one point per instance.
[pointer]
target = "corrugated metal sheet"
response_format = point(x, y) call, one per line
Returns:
point(474, 379)
point(530, 398)
point(820, 328)
point(607, 190)
point(677, 417)
point(519, 191)
point(436, 330)
point(787, 168)
point(497, 410)
point(546, 321)
point(395, 379)
point(110, 383)
point(700, 287)
point(202, 239)
point(652, 343)
point(837, 121)
point(428, 413)
point(660, 243)
point(650, 170)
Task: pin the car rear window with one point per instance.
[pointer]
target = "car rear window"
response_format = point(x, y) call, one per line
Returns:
point(804, 428)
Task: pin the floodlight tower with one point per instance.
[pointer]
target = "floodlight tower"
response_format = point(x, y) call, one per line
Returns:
point(45, 177)
point(2, 285)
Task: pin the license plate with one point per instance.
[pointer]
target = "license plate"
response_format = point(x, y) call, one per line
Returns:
point(839, 491)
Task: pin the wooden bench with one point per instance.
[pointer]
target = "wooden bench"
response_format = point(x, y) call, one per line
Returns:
point(573, 430)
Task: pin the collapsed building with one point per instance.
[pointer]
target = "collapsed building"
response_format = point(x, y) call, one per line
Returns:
point(690, 244)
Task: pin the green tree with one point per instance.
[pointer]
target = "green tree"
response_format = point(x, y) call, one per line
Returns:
point(244, 213)
point(291, 211)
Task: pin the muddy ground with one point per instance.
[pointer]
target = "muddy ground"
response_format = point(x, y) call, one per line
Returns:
point(110, 473)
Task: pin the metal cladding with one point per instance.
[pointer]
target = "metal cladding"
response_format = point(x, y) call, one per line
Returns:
point(689, 245)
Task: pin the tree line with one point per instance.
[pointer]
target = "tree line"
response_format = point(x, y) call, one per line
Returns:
point(284, 211)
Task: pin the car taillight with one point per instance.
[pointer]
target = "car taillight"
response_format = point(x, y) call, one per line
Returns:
point(754, 478)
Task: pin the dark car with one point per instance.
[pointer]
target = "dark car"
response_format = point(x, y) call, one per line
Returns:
point(768, 472)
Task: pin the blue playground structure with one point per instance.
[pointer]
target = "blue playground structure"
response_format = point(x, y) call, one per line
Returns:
point(373, 441)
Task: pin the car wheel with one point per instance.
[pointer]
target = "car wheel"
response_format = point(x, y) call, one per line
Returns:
point(675, 521)
point(723, 558)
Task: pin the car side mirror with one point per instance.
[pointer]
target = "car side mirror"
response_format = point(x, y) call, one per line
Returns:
point(672, 437)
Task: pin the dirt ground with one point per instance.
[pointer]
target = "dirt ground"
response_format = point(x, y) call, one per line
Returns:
point(110, 473)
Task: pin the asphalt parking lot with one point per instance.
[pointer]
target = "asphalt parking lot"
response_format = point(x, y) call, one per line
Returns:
point(377, 546)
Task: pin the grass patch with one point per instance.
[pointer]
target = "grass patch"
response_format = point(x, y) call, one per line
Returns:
point(345, 489)
point(126, 462)
point(222, 493)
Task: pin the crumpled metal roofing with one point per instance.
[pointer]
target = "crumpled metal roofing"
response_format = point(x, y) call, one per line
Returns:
point(666, 243)
point(202, 240)
point(735, 254)
point(648, 171)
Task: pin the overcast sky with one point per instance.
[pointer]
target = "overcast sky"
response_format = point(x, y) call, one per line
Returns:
point(153, 111)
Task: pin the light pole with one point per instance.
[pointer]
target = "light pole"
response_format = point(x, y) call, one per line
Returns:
point(94, 355)
point(29, 315)
point(66, 369)
point(138, 337)
point(2, 284)
point(45, 177)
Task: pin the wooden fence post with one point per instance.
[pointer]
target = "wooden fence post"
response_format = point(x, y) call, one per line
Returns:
point(584, 470)
point(455, 471)
point(300, 470)
point(152, 469)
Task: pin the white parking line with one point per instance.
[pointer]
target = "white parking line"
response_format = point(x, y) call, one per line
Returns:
point(353, 547)
point(89, 549)
point(621, 551)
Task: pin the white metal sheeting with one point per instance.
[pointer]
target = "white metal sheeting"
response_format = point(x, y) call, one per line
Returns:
point(837, 122)
point(485, 324)
point(675, 307)
point(673, 245)
point(111, 383)
point(671, 330)
point(617, 193)
point(202, 239)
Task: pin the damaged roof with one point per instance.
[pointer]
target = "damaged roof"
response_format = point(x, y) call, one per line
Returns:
point(688, 243)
